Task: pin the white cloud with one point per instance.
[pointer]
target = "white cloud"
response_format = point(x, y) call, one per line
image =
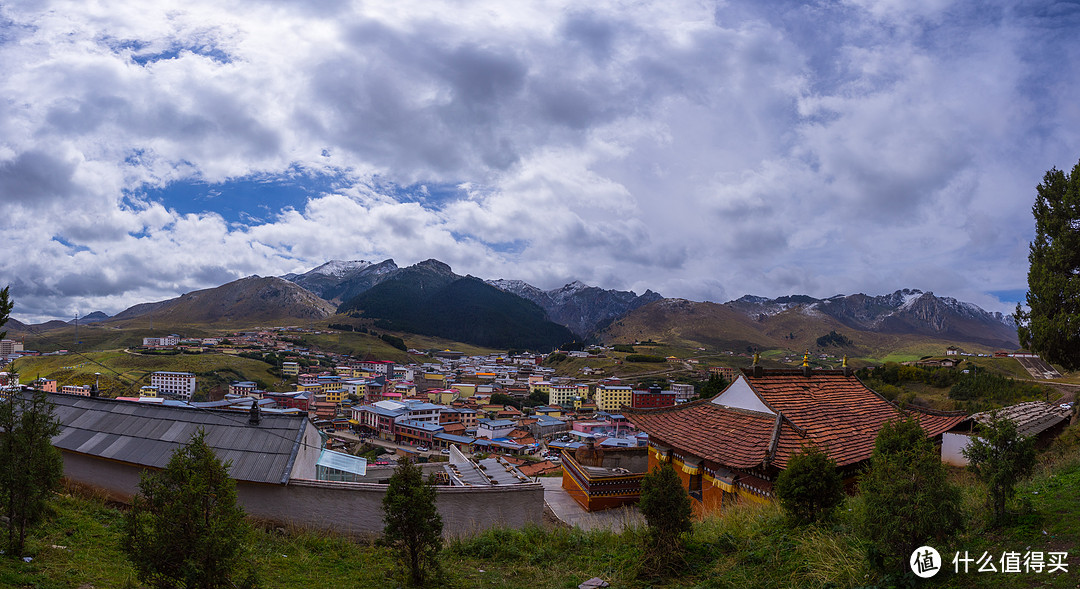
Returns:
point(703, 150)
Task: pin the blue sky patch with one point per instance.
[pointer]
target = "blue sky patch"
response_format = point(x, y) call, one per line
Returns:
point(1016, 295)
point(176, 50)
point(71, 246)
point(431, 195)
point(248, 201)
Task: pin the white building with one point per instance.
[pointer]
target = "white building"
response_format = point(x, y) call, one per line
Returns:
point(169, 340)
point(8, 347)
point(174, 384)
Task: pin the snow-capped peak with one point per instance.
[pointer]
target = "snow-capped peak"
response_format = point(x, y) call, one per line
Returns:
point(908, 297)
point(339, 268)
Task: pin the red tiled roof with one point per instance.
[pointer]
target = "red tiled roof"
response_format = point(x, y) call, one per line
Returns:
point(838, 412)
point(733, 437)
point(831, 410)
point(539, 468)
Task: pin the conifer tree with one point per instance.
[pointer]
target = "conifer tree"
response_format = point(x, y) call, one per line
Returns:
point(1000, 457)
point(810, 488)
point(1050, 325)
point(30, 466)
point(411, 519)
point(667, 510)
point(184, 528)
point(908, 500)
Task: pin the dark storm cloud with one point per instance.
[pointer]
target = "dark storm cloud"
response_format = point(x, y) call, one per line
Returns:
point(593, 33)
point(33, 175)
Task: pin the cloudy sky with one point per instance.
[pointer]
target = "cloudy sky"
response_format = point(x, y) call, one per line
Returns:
point(702, 149)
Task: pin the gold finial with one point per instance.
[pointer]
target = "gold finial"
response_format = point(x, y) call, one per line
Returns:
point(756, 357)
point(844, 365)
point(806, 358)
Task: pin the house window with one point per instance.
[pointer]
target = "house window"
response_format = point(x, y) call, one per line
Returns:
point(695, 486)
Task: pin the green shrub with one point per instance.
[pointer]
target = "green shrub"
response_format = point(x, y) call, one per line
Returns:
point(810, 488)
point(1000, 457)
point(666, 507)
point(907, 498)
point(645, 358)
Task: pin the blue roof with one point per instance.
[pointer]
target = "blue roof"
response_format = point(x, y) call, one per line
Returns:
point(619, 443)
point(453, 438)
point(496, 422)
point(424, 425)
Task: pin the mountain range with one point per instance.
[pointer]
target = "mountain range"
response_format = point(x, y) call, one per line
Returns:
point(797, 321)
point(428, 298)
point(252, 299)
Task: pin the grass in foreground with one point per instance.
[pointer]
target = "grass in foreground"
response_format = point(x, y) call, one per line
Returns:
point(749, 546)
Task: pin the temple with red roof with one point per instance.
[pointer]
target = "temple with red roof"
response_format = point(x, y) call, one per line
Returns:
point(736, 444)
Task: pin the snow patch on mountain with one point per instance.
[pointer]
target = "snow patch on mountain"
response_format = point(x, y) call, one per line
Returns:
point(339, 268)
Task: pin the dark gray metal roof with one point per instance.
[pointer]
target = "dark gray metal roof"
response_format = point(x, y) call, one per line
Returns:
point(147, 435)
point(1031, 418)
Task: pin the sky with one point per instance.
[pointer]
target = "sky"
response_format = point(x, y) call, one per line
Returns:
point(704, 150)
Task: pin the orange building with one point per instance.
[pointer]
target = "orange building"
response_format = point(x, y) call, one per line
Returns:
point(736, 444)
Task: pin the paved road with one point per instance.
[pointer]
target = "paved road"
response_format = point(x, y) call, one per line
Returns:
point(571, 513)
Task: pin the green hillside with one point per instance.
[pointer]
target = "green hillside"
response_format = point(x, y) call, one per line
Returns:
point(122, 373)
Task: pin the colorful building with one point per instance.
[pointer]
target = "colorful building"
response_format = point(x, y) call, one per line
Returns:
point(613, 397)
point(737, 443)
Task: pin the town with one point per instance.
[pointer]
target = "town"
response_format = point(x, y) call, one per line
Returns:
point(567, 445)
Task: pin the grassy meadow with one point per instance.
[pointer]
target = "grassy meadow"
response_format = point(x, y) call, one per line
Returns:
point(77, 547)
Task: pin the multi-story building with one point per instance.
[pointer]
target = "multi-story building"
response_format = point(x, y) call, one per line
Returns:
point(418, 433)
point(652, 397)
point(683, 392)
point(379, 417)
point(47, 385)
point(174, 384)
point(494, 428)
point(613, 397)
point(161, 342)
point(294, 400)
point(380, 367)
point(562, 394)
point(8, 347)
point(290, 368)
point(334, 395)
point(244, 388)
point(725, 372)
point(76, 389)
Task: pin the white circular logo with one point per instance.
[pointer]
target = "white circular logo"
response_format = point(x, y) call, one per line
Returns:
point(925, 562)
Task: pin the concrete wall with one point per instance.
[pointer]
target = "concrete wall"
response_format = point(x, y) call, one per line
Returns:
point(951, 446)
point(632, 459)
point(347, 508)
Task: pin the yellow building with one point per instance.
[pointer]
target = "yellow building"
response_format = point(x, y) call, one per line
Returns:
point(540, 386)
point(584, 391)
point(442, 396)
point(464, 389)
point(613, 398)
point(335, 395)
point(290, 368)
point(562, 394)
